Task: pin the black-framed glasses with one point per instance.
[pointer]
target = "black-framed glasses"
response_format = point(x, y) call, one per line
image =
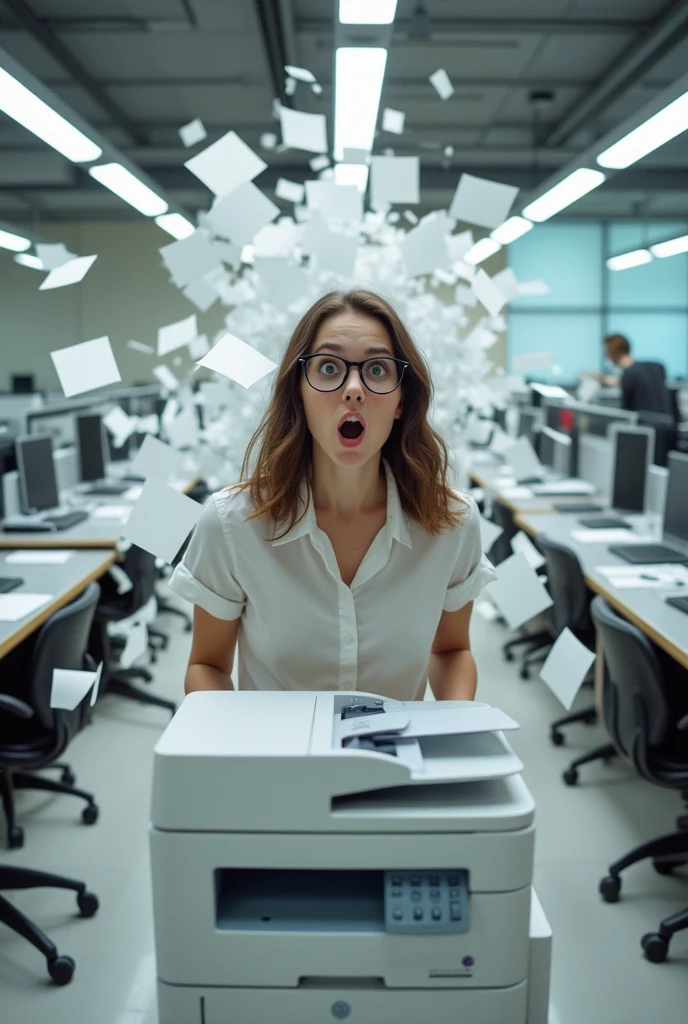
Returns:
point(380, 374)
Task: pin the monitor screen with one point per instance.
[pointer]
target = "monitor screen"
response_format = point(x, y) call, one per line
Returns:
point(630, 470)
point(37, 479)
point(527, 423)
point(89, 432)
point(23, 384)
point(676, 508)
point(547, 448)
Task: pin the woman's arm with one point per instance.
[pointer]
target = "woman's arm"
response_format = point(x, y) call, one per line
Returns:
point(452, 671)
point(212, 652)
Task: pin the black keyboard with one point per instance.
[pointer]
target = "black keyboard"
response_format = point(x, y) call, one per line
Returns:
point(62, 521)
point(648, 554)
point(576, 506)
point(604, 523)
point(678, 602)
point(107, 489)
point(8, 583)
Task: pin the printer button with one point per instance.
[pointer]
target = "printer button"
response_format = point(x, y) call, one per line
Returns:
point(436, 914)
point(396, 881)
point(415, 881)
point(455, 911)
point(396, 892)
point(418, 913)
point(434, 881)
point(435, 894)
point(454, 894)
point(453, 880)
point(416, 897)
point(398, 914)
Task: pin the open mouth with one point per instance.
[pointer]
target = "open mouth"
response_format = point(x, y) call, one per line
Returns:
point(350, 430)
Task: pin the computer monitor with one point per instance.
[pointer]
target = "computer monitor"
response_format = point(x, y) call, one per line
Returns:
point(37, 478)
point(633, 450)
point(529, 422)
point(23, 384)
point(91, 447)
point(676, 508)
point(555, 450)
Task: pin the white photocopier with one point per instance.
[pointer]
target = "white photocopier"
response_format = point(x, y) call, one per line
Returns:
point(323, 856)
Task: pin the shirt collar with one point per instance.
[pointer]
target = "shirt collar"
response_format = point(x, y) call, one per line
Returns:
point(396, 525)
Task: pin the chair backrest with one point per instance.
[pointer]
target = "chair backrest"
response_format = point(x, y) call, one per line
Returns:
point(61, 643)
point(634, 703)
point(139, 565)
point(566, 584)
point(666, 433)
point(501, 549)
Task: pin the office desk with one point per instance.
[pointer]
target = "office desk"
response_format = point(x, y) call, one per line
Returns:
point(647, 609)
point(91, 533)
point(489, 477)
point(65, 582)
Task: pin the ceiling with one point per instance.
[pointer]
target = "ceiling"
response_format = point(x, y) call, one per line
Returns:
point(139, 69)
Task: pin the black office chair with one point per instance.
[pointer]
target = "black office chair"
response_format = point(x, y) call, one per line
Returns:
point(60, 968)
point(650, 736)
point(26, 748)
point(666, 433)
point(571, 609)
point(139, 565)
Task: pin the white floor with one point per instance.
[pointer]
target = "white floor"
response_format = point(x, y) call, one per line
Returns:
point(599, 972)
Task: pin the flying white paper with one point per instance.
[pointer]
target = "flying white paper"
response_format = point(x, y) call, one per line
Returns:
point(522, 544)
point(136, 644)
point(424, 248)
point(489, 533)
point(68, 273)
point(16, 606)
point(566, 666)
point(523, 460)
point(303, 131)
point(291, 191)
point(507, 283)
point(119, 424)
point(70, 686)
point(319, 163)
point(531, 361)
point(201, 293)
point(395, 179)
point(488, 293)
point(86, 366)
point(53, 256)
point(393, 120)
point(38, 557)
point(240, 362)
point(138, 346)
point(173, 336)
point(161, 519)
point(241, 213)
point(481, 201)
point(518, 592)
point(193, 132)
point(166, 377)
point(301, 74)
point(155, 458)
point(336, 203)
point(226, 164)
point(440, 80)
point(189, 258)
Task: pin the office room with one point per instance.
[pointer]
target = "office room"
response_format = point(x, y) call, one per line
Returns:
point(343, 511)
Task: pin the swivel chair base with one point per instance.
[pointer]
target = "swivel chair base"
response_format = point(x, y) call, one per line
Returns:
point(165, 606)
point(588, 716)
point(27, 780)
point(538, 639)
point(605, 753)
point(60, 968)
point(124, 689)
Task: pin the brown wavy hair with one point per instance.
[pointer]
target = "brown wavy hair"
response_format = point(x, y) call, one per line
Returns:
point(417, 454)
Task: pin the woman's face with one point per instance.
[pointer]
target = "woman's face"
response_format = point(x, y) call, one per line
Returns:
point(351, 336)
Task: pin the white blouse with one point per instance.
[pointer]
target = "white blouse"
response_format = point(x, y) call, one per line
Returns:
point(302, 628)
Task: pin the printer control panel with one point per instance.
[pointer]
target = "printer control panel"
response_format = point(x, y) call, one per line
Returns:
point(433, 902)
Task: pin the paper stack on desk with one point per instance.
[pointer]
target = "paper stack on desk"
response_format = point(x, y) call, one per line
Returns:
point(624, 577)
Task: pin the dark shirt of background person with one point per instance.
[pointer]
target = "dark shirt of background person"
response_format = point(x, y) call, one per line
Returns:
point(643, 384)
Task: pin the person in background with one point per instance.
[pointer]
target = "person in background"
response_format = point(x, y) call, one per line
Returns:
point(643, 384)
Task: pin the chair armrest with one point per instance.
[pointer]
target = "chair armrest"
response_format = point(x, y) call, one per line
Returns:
point(16, 706)
point(683, 723)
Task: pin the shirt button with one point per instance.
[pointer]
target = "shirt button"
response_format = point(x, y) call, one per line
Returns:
point(349, 639)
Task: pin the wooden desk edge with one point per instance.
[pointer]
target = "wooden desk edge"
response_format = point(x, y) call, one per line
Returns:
point(14, 639)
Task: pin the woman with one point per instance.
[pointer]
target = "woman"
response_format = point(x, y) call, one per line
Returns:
point(371, 583)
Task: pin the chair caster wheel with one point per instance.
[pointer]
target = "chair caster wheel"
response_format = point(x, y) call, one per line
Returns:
point(15, 837)
point(508, 656)
point(524, 673)
point(89, 815)
point(610, 887)
point(590, 719)
point(68, 778)
point(153, 656)
point(663, 867)
point(188, 627)
point(557, 739)
point(570, 776)
point(61, 969)
point(654, 947)
point(88, 903)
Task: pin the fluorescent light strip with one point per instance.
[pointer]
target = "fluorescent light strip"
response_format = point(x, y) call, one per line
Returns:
point(629, 259)
point(175, 224)
point(20, 103)
point(672, 247)
point(359, 71)
point(511, 229)
point(481, 250)
point(648, 136)
point(27, 260)
point(352, 174)
point(573, 187)
point(367, 12)
point(16, 243)
point(128, 187)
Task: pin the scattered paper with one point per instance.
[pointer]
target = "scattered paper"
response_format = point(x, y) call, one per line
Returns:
point(587, 389)
point(240, 362)
point(507, 283)
point(533, 288)
point(522, 544)
point(609, 537)
point(53, 255)
point(489, 533)
point(199, 346)
point(70, 686)
point(268, 140)
point(393, 120)
point(516, 493)
point(518, 592)
point(424, 248)
point(166, 377)
point(192, 132)
point(624, 577)
point(319, 163)
point(161, 519)
point(119, 424)
point(291, 191)
point(481, 201)
point(522, 459)
point(86, 366)
point(226, 164)
point(40, 557)
point(566, 666)
point(189, 258)
point(335, 202)
point(155, 458)
point(68, 273)
point(303, 131)
point(175, 335)
point(124, 583)
point(395, 179)
point(440, 80)
point(16, 606)
point(488, 293)
point(202, 293)
point(241, 213)
point(110, 511)
point(302, 74)
point(136, 644)
point(138, 346)
point(531, 361)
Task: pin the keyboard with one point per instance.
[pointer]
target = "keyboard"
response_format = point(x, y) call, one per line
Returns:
point(64, 520)
point(603, 523)
point(678, 602)
point(569, 486)
point(8, 583)
point(576, 506)
point(648, 554)
point(106, 489)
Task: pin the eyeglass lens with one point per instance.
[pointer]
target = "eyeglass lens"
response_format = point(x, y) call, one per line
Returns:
point(326, 373)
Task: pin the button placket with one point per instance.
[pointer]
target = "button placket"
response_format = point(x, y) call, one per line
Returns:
point(348, 652)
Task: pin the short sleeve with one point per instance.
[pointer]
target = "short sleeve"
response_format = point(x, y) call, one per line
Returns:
point(472, 571)
point(206, 575)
